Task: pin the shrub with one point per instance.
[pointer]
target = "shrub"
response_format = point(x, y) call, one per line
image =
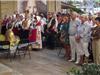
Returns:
point(87, 69)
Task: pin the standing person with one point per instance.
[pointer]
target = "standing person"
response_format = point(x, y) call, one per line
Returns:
point(38, 33)
point(51, 34)
point(72, 33)
point(49, 16)
point(96, 41)
point(65, 36)
point(43, 25)
point(17, 24)
point(51, 31)
point(24, 32)
point(59, 18)
point(83, 37)
point(90, 23)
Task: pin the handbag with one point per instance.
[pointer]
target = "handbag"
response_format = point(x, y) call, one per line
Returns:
point(63, 36)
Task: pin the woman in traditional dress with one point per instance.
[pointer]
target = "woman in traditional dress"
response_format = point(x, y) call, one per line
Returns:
point(38, 32)
point(24, 32)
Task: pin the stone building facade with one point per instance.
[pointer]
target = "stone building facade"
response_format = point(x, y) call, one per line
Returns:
point(44, 6)
point(54, 6)
point(7, 7)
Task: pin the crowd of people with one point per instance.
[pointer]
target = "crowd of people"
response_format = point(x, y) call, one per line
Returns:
point(78, 34)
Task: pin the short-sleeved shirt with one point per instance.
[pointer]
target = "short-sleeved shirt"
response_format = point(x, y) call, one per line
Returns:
point(73, 27)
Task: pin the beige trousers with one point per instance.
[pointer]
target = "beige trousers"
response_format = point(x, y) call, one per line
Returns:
point(96, 51)
point(73, 46)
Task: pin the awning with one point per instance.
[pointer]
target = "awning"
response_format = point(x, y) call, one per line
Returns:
point(67, 6)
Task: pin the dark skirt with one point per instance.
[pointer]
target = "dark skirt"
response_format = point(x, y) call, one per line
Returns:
point(23, 34)
point(3, 30)
point(51, 40)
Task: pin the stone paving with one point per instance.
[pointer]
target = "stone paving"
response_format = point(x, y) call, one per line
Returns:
point(43, 62)
point(4, 70)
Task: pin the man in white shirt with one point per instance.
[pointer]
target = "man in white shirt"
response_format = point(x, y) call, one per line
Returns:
point(83, 36)
point(74, 23)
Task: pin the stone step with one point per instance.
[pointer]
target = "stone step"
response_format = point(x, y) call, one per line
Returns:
point(4, 70)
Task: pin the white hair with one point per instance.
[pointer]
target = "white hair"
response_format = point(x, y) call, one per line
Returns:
point(84, 15)
point(75, 13)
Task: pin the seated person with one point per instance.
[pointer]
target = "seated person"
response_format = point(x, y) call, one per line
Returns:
point(2, 37)
point(11, 38)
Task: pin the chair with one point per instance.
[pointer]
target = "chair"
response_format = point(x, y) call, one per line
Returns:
point(58, 46)
point(22, 48)
point(5, 48)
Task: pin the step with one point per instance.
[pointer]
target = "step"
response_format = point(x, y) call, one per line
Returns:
point(4, 70)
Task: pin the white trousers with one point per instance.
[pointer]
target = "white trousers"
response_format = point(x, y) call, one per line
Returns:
point(73, 47)
point(79, 48)
point(85, 48)
point(79, 51)
point(82, 48)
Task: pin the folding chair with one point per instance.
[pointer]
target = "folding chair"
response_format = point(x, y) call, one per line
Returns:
point(22, 48)
point(58, 46)
point(5, 48)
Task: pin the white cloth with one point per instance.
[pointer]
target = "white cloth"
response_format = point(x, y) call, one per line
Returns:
point(38, 18)
point(56, 24)
point(18, 23)
point(42, 25)
point(49, 24)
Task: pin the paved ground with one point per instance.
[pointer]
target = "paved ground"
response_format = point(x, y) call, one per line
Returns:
point(44, 62)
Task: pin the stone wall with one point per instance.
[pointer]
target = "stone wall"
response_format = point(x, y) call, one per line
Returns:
point(53, 6)
point(7, 7)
